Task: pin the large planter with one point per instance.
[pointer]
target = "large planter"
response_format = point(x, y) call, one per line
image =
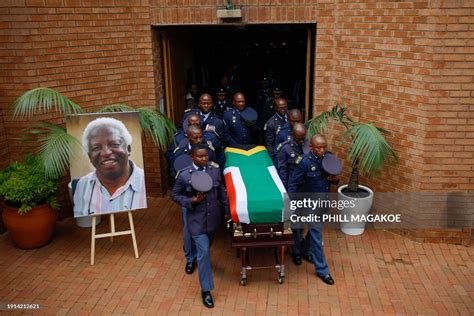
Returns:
point(33, 229)
point(362, 207)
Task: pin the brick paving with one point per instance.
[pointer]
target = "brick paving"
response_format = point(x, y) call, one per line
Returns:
point(378, 273)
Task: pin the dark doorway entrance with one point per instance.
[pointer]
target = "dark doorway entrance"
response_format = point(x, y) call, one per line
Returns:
point(203, 54)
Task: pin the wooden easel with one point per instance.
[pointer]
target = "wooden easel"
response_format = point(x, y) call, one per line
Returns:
point(112, 234)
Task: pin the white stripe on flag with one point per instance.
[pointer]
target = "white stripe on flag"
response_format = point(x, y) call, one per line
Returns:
point(278, 183)
point(240, 193)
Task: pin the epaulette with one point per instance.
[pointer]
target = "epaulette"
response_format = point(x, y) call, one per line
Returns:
point(187, 110)
point(280, 145)
point(278, 130)
point(176, 149)
point(214, 164)
point(209, 144)
point(265, 127)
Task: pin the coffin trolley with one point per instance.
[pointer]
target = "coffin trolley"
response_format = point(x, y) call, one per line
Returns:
point(255, 194)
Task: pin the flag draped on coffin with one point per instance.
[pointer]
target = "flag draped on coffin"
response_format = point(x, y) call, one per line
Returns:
point(254, 188)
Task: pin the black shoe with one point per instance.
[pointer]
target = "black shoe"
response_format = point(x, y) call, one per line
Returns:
point(308, 258)
point(297, 260)
point(327, 279)
point(207, 299)
point(190, 267)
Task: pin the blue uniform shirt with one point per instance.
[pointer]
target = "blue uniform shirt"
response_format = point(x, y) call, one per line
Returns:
point(271, 128)
point(206, 216)
point(283, 134)
point(309, 176)
point(289, 155)
point(239, 133)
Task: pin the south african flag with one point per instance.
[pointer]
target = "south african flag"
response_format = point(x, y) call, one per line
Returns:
point(254, 188)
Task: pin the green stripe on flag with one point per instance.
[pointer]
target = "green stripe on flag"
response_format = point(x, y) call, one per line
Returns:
point(264, 200)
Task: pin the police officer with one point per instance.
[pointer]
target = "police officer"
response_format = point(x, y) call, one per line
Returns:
point(274, 124)
point(262, 95)
point(222, 103)
point(194, 136)
point(269, 106)
point(204, 214)
point(285, 132)
point(288, 155)
point(240, 130)
point(208, 136)
point(309, 176)
point(210, 122)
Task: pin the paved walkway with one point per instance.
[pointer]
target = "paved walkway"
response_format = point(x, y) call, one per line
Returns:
point(378, 273)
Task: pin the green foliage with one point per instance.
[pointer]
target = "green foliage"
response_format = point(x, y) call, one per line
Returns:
point(57, 146)
point(153, 122)
point(369, 150)
point(43, 100)
point(24, 185)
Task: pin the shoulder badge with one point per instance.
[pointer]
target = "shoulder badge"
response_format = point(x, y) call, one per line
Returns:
point(209, 144)
point(278, 130)
point(214, 164)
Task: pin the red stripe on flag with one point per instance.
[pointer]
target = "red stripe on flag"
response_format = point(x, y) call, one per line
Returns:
point(232, 195)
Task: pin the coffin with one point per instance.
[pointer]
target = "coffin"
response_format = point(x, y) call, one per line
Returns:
point(254, 188)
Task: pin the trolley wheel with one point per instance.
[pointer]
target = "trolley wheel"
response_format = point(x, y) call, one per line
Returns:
point(243, 281)
point(281, 279)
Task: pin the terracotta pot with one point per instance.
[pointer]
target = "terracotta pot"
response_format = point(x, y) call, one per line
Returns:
point(33, 229)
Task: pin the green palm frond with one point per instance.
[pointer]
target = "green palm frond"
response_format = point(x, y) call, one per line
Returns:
point(318, 124)
point(369, 148)
point(159, 127)
point(56, 148)
point(117, 107)
point(43, 100)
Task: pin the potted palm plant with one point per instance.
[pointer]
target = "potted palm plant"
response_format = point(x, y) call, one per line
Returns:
point(30, 203)
point(369, 151)
point(56, 147)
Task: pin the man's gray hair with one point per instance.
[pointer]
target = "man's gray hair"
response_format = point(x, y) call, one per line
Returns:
point(106, 122)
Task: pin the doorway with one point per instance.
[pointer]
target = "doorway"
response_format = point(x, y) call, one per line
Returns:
point(283, 53)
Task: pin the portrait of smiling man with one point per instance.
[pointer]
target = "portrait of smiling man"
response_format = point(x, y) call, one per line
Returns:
point(116, 183)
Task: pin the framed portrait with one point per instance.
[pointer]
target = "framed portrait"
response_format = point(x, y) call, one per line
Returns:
point(107, 173)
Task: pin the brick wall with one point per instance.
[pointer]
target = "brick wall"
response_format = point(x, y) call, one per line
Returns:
point(408, 66)
point(95, 52)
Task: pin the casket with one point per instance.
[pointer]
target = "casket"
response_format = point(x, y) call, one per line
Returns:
point(254, 188)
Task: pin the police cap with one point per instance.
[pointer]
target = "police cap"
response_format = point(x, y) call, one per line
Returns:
point(249, 115)
point(331, 164)
point(221, 91)
point(201, 181)
point(182, 162)
point(277, 90)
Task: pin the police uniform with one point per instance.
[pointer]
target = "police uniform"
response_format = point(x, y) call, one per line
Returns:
point(288, 155)
point(221, 106)
point(209, 122)
point(240, 133)
point(271, 128)
point(284, 134)
point(184, 148)
point(203, 218)
point(309, 176)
